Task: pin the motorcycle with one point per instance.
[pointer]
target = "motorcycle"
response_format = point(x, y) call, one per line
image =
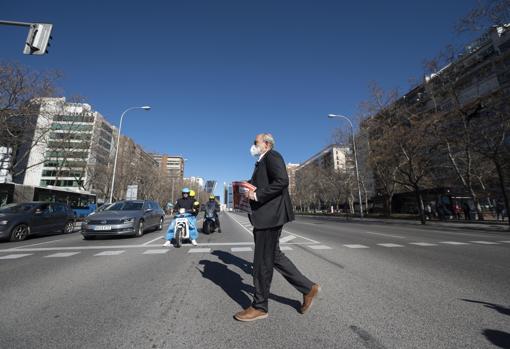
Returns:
point(209, 225)
point(182, 227)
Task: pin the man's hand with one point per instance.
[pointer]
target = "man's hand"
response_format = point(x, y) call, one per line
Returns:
point(251, 195)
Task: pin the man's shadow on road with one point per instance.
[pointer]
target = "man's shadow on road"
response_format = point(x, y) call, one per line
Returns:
point(232, 283)
point(229, 258)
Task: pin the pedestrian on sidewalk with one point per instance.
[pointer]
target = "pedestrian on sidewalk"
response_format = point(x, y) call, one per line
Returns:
point(271, 208)
point(457, 210)
point(500, 208)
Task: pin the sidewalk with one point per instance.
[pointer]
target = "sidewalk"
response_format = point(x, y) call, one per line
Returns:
point(452, 224)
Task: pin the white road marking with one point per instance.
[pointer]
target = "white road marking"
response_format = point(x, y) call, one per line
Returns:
point(241, 249)
point(148, 242)
point(302, 237)
point(284, 231)
point(199, 250)
point(40, 243)
point(158, 251)
point(15, 256)
point(506, 242)
point(286, 248)
point(453, 243)
point(422, 244)
point(382, 234)
point(109, 253)
point(390, 245)
point(485, 242)
point(320, 247)
point(235, 220)
point(61, 254)
point(287, 238)
point(356, 246)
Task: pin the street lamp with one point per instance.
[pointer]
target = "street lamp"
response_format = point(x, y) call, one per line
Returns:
point(335, 116)
point(147, 108)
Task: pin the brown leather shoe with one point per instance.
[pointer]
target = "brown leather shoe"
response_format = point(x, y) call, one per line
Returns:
point(308, 298)
point(250, 314)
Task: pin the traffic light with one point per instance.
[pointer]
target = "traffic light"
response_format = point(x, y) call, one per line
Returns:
point(38, 39)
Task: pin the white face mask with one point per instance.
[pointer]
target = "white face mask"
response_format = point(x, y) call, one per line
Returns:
point(254, 150)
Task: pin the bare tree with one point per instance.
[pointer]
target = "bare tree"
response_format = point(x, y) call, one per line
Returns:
point(23, 126)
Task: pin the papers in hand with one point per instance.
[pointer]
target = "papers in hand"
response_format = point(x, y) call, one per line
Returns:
point(239, 190)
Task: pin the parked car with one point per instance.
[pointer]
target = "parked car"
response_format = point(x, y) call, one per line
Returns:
point(18, 221)
point(130, 217)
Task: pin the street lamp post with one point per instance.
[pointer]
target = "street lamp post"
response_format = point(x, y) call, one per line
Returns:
point(335, 116)
point(117, 146)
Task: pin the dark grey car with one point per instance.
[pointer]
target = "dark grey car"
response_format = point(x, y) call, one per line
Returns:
point(131, 217)
point(18, 221)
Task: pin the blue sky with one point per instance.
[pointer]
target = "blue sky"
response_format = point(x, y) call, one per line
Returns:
point(218, 72)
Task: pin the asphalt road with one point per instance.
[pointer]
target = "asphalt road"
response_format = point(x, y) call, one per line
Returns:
point(383, 286)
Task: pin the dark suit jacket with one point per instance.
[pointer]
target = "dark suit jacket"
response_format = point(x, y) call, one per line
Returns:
point(273, 207)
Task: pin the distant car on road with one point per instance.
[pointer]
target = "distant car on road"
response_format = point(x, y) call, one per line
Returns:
point(130, 217)
point(18, 221)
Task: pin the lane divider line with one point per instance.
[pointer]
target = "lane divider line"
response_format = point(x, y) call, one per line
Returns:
point(109, 253)
point(157, 251)
point(15, 256)
point(158, 238)
point(241, 249)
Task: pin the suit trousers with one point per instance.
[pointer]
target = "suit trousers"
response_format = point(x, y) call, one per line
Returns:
point(267, 257)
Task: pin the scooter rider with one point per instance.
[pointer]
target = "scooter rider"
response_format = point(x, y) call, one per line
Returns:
point(212, 204)
point(186, 203)
point(196, 204)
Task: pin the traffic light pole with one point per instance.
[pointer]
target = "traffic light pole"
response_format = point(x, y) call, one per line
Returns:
point(17, 24)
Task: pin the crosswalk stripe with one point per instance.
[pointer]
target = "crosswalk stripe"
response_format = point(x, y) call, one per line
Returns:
point(199, 250)
point(61, 254)
point(15, 256)
point(109, 253)
point(320, 247)
point(356, 246)
point(157, 251)
point(422, 244)
point(453, 243)
point(285, 248)
point(485, 242)
point(287, 238)
point(390, 245)
point(241, 249)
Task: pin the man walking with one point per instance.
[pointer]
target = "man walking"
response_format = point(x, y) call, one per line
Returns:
point(271, 209)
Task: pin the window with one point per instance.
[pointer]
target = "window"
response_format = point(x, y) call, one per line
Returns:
point(71, 127)
point(125, 206)
point(74, 118)
point(58, 208)
point(45, 208)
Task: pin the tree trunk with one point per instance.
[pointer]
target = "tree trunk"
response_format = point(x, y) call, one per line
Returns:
point(387, 205)
point(421, 209)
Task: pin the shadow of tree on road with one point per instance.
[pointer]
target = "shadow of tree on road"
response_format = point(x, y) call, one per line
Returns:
point(498, 338)
point(498, 307)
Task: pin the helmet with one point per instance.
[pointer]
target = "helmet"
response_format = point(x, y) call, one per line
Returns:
point(185, 190)
point(192, 193)
point(212, 197)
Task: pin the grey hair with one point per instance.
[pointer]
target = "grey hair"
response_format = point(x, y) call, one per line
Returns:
point(268, 138)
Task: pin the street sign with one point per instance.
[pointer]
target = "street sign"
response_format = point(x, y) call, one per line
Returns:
point(132, 192)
